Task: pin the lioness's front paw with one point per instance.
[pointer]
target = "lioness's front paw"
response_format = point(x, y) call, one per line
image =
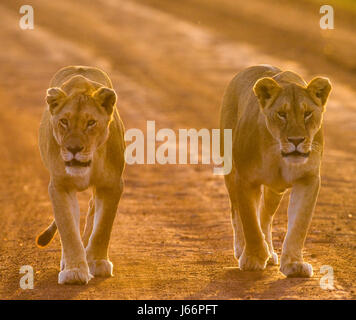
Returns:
point(254, 260)
point(249, 263)
point(74, 276)
point(101, 268)
point(297, 270)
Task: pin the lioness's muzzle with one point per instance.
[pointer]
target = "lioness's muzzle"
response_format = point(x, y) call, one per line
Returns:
point(76, 163)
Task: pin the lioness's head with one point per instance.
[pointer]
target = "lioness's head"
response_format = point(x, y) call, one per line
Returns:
point(80, 116)
point(293, 113)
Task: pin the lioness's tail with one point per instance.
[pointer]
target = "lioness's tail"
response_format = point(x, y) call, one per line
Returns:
point(46, 236)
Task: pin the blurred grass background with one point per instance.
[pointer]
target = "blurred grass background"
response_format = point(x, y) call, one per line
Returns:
point(284, 28)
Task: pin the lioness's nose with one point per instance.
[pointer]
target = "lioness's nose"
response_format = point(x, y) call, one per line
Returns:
point(296, 140)
point(75, 149)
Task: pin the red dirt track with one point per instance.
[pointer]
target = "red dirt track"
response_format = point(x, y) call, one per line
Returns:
point(172, 237)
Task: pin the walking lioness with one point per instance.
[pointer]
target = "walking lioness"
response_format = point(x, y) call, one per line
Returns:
point(276, 122)
point(81, 141)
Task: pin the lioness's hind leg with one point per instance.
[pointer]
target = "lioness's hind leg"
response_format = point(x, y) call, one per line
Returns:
point(89, 222)
point(269, 204)
point(239, 241)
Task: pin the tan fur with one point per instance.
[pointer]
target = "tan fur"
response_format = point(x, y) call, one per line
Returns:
point(82, 112)
point(265, 107)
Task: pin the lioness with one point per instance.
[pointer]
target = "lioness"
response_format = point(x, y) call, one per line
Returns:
point(276, 122)
point(81, 141)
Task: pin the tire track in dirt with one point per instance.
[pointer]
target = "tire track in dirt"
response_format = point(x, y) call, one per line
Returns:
point(172, 236)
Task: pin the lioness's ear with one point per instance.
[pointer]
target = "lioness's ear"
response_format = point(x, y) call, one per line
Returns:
point(266, 90)
point(319, 89)
point(106, 98)
point(54, 97)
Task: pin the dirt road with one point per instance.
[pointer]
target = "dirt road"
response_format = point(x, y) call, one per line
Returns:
point(172, 237)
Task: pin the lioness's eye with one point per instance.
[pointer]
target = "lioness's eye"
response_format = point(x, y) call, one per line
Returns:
point(282, 114)
point(91, 123)
point(64, 122)
point(307, 114)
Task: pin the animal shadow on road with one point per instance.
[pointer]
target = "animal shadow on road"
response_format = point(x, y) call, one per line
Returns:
point(232, 283)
